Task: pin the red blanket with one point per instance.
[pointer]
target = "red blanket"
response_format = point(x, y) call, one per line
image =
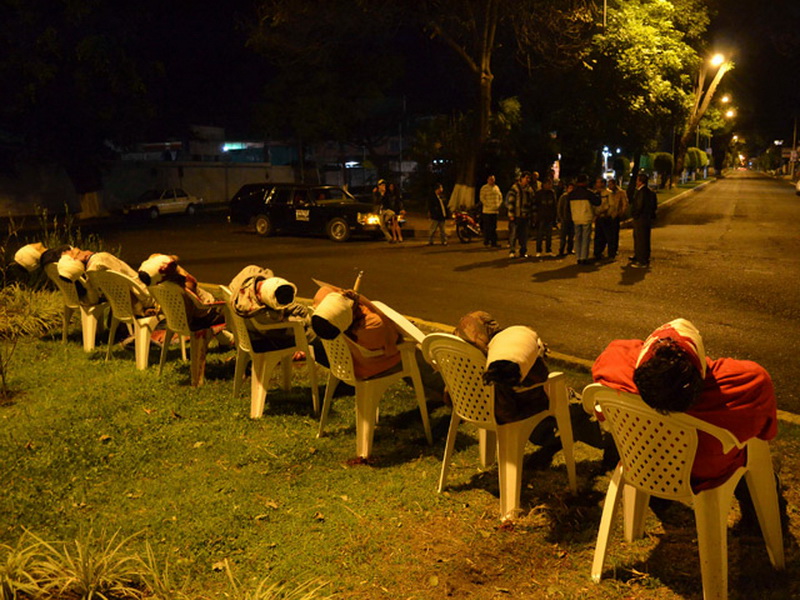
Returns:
point(737, 395)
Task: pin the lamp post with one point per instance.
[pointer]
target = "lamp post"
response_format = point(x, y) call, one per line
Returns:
point(702, 99)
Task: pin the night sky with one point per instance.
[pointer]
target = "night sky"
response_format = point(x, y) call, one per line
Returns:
point(215, 80)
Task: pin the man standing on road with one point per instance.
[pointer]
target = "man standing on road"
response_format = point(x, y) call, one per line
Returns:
point(520, 206)
point(491, 199)
point(545, 202)
point(437, 210)
point(581, 201)
point(643, 212)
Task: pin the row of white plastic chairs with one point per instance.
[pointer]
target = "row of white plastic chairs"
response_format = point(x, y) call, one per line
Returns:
point(657, 451)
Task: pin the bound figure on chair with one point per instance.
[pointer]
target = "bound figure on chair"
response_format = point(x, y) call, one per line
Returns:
point(265, 300)
point(671, 373)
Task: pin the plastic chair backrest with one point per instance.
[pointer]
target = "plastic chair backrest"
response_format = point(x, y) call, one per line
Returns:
point(462, 367)
point(238, 323)
point(340, 359)
point(117, 288)
point(170, 298)
point(67, 289)
point(657, 450)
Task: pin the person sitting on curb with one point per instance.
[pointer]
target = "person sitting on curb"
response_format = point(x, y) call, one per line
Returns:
point(671, 373)
point(264, 300)
point(371, 336)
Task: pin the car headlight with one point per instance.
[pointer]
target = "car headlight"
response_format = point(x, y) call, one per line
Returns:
point(369, 219)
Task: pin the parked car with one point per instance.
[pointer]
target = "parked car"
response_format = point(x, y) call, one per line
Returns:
point(303, 209)
point(164, 201)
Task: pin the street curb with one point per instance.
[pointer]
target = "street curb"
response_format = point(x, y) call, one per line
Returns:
point(580, 363)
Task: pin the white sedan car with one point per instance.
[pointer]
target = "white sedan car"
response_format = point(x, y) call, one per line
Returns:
point(166, 201)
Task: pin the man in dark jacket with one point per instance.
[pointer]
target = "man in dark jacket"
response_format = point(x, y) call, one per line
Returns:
point(437, 209)
point(545, 203)
point(643, 212)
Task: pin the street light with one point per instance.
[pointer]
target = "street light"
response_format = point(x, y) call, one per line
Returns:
point(717, 60)
point(725, 99)
point(730, 113)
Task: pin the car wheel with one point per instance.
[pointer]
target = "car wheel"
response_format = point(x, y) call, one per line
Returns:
point(264, 225)
point(153, 213)
point(190, 210)
point(338, 230)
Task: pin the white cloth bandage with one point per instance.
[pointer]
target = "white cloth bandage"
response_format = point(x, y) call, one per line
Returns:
point(685, 334)
point(336, 310)
point(155, 266)
point(267, 292)
point(518, 344)
point(28, 256)
point(70, 268)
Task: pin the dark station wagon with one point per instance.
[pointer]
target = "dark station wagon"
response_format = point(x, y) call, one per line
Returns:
point(297, 209)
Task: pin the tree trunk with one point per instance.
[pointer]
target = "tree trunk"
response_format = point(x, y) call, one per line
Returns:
point(466, 172)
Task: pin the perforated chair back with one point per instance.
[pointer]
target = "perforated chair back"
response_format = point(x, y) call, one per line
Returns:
point(462, 367)
point(340, 359)
point(117, 288)
point(68, 290)
point(237, 323)
point(657, 450)
point(170, 298)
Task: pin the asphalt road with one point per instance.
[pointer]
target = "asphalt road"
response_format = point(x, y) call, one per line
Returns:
point(726, 257)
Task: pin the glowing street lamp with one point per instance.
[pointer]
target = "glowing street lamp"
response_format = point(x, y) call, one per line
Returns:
point(717, 60)
point(725, 99)
point(730, 113)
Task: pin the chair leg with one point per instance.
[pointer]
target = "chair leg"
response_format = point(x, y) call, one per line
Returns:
point(167, 337)
point(263, 365)
point(635, 503)
point(606, 522)
point(711, 509)
point(559, 403)
point(286, 373)
point(487, 446)
point(412, 367)
point(112, 331)
point(511, 440)
point(367, 397)
point(760, 479)
point(66, 317)
point(330, 388)
point(198, 346)
point(450, 444)
point(311, 365)
point(242, 358)
point(89, 327)
point(142, 335)
point(183, 346)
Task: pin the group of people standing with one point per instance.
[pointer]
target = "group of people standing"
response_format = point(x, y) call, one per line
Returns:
point(387, 201)
point(535, 206)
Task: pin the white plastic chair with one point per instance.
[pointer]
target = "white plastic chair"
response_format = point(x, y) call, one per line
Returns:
point(462, 367)
point(264, 363)
point(117, 288)
point(170, 298)
point(91, 316)
point(657, 454)
point(369, 391)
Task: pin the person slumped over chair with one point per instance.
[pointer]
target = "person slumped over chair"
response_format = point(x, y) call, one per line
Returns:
point(265, 300)
point(202, 309)
point(518, 350)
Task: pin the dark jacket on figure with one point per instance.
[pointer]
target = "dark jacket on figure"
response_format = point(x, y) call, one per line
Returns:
point(436, 209)
point(644, 204)
point(545, 202)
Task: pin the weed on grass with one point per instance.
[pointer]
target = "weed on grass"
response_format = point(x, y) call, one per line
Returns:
point(207, 503)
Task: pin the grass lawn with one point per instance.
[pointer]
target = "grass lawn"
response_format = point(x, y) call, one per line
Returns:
point(93, 446)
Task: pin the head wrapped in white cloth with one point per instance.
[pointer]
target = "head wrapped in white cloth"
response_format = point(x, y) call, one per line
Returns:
point(28, 256)
point(152, 270)
point(685, 335)
point(70, 268)
point(336, 310)
point(276, 292)
point(512, 353)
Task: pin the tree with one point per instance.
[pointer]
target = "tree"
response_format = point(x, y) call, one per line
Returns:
point(74, 78)
point(640, 68)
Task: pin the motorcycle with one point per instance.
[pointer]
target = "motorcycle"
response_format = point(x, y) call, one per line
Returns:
point(468, 224)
